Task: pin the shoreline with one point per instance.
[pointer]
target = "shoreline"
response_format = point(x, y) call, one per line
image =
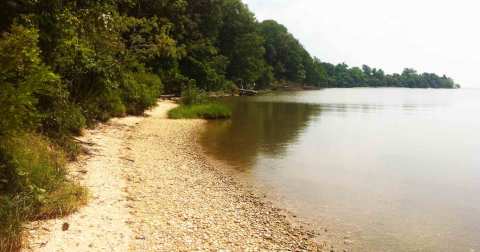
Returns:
point(328, 233)
point(152, 188)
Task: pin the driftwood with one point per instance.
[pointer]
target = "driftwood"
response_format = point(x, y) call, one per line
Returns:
point(247, 92)
point(128, 159)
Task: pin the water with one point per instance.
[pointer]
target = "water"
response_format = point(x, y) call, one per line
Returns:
point(398, 169)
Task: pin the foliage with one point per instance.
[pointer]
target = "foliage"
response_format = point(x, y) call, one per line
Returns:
point(205, 111)
point(140, 91)
point(192, 95)
point(26, 84)
point(242, 44)
point(290, 61)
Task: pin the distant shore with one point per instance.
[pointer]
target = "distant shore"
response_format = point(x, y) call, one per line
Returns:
point(152, 189)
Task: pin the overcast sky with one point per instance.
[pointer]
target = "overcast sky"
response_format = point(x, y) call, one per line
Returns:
point(441, 36)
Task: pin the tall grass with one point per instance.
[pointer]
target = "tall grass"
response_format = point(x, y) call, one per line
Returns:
point(205, 111)
point(33, 185)
point(195, 104)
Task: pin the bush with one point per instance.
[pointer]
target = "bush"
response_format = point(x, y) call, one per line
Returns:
point(61, 119)
point(101, 108)
point(205, 111)
point(140, 91)
point(23, 78)
point(32, 95)
point(192, 95)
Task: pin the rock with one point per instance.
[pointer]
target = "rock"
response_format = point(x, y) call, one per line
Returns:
point(140, 237)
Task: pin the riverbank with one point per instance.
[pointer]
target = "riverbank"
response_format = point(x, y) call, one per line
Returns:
point(152, 189)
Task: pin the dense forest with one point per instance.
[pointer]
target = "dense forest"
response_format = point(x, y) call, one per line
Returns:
point(65, 65)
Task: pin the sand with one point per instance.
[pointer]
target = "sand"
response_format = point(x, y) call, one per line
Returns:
point(152, 189)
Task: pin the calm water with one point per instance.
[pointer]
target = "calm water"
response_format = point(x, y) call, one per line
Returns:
point(398, 169)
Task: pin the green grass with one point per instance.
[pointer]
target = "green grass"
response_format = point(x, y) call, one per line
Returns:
point(33, 186)
point(205, 111)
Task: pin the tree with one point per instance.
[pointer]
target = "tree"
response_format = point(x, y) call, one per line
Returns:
point(240, 41)
point(289, 59)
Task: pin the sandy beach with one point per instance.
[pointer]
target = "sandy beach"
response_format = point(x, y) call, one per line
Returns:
point(152, 189)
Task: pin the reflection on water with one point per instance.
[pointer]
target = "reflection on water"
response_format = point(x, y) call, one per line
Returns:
point(398, 168)
point(263, 127)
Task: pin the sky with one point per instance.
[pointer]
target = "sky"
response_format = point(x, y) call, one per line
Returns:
point(440, 36)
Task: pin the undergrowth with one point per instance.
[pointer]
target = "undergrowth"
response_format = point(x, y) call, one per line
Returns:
point(33, 186)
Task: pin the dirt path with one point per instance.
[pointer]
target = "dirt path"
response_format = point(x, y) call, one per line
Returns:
point(152, 189)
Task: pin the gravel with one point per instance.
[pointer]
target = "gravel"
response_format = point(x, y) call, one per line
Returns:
point(152, 189)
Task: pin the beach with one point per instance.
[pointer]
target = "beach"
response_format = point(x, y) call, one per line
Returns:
point(153, 189)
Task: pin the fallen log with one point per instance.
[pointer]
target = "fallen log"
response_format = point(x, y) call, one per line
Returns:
point(247, 92)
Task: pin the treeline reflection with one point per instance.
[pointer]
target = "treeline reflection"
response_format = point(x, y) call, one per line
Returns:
point(257, 128)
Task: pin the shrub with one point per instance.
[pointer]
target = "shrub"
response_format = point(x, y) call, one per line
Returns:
point(23, 78)
point(32, 96)
point(103, 107)
point(60, 118)
point(174, 81)
point(140, 91)
point(192, 95)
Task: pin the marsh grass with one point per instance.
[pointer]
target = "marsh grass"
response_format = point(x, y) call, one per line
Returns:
point(205, 111)
point(33, 186)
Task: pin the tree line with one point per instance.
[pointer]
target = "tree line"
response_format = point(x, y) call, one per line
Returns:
point(342, 75)
point(96, 59)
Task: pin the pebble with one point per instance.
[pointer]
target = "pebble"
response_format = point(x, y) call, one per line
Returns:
point(183, 201)
point(140, 237)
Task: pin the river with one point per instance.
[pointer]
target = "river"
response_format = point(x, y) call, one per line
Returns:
point(396, 169)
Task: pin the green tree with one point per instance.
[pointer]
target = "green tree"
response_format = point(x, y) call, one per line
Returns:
point(242, 44)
